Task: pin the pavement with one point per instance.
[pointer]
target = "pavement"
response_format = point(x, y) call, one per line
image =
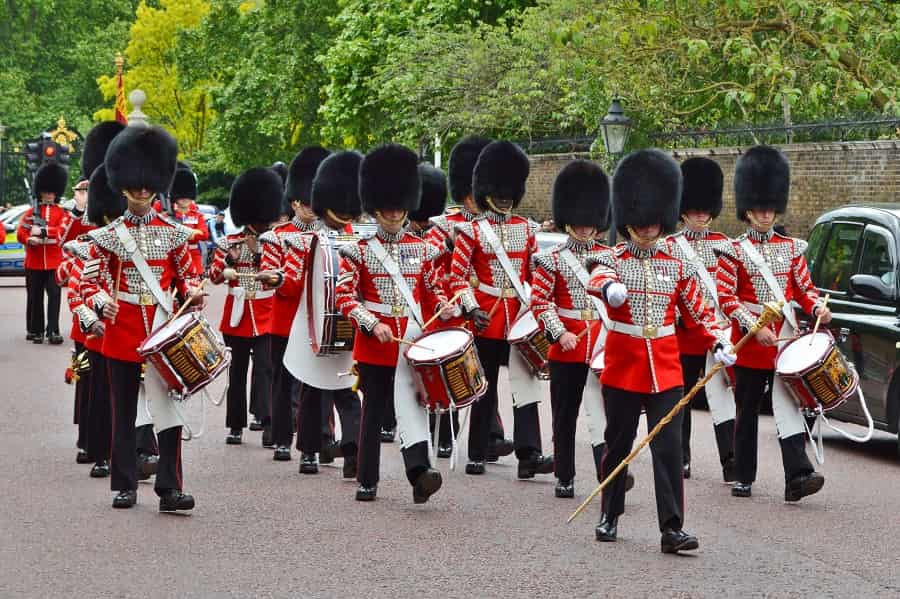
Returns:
point(260, 529)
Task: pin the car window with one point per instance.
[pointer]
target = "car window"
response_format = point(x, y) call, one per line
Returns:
point(836, 266)
point(816, 239)
point(877, 258)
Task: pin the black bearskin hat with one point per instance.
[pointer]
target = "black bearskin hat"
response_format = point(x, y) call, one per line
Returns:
point(103, 203)
point(255, 197)
point(301, 173)
point(762, 179)
point(142, 158)
point(281, 170)
point(500, 172)
point(93, 152)
point(434, 193)
point(581, 196)
point(51, 178)
point(702, 182)
point(184, 185)
point(389, 179)
point(336, 185)
point(463, 157)
point(646, 190)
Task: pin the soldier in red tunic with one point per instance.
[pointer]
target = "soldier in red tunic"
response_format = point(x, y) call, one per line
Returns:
point(185, 211)
point(255, 203)
point(277, 245)
point(491, 265)
point(645, 287)
point(701, 202)
point(386, 283)
point(42, 230)
point(462, 161)
point(145, 253)
point(569, 317)
point(758, 267)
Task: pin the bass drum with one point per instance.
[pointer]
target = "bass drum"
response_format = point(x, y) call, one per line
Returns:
point(329, 331)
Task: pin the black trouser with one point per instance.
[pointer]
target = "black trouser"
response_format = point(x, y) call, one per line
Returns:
point(390, 418)
point(310, 430)
point(39, 282)
point(124, 386)
point(82, 395)
point(99, 416)
point(377, 385)
point(567, 381)
point(748, 393)
point(692, 369)
point(445, 435)
point(526, 432)
point(282, 387)
point(623, 410)
point(236, 413)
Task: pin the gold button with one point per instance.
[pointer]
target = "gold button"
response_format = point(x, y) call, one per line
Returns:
point(397, 310)
point(146, 299)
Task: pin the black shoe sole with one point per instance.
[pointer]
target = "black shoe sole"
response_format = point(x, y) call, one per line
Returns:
point(99, 473)
point(365, 497)
point(281, 457)
point(564, 494)
point(687, 545)
point(604, 538)
point(230, 441)
point(307, 469)
point(809, 487)
point(474, 470)
point(255, 427)
point(169, 508)
point(125, 505)
point(427, 485)
point(444, 453)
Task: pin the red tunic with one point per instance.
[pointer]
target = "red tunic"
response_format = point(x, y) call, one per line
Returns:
point(164, 245)
point(364, 279)
point(257, 317)
point(78, 226)
point(69, 270)
point(47, 254)
point(438, 235)
point(742, 287)
point(194, 220)
point(645, 359)
point(555, 287)
point(691, 340)
point(475, 268)
point(285, 248)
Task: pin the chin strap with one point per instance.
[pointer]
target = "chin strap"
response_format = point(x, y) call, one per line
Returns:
point(756, 224)
point(590, 237)
point(640, 238)
point(695, 224)
point(490, 202)
point(343, 221)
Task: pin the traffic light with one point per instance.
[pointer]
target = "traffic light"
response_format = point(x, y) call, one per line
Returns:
point(63, 155)
point(34, 155)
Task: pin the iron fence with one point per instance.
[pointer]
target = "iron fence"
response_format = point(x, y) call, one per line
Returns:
point(13, 174)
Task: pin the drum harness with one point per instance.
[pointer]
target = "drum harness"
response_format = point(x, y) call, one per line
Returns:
point(814, 437)
point(165, 303)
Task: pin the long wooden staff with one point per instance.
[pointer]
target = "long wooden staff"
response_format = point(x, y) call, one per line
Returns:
point(771, 313)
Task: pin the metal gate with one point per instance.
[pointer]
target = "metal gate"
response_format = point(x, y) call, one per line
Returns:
point(13, 174)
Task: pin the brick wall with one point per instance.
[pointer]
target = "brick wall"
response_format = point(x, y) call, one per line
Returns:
point(823, 176)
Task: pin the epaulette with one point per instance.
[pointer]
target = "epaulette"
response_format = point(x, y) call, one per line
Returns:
point(727, 248)
point(440, 221)
point(467, 228)
point(182, 230)
point(545, 259)
point(269, 237)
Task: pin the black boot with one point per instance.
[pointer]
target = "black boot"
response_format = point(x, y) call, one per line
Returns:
point(801, 486)
point(125, 499)
point(444, 451)
point(267, 437)
point(499, 447)
point(364, 493)
point(82, 457)
point(350, 466)
point(388, 435)
point(55, 339)
point(564, 488)
point(739, 489)
point(607, 528)
point(100, 469)
point(173, 500)
point(256, 425)
point(308, 463)
point(147, 465)
point(427, 484)
point(673, 541)
point(476, 467)
point(234, 437)
point(536, 464)
point(282, 454)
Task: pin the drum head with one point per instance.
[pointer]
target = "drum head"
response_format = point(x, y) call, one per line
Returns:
point(438, 345)
point(801, 353)
point(522, 327)
point(168, 331)
point(318, 282)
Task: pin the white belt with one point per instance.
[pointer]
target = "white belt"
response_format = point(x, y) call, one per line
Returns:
point(265, 293)
point(138, 299)
point(387, 309)
point(645, 332)
point(587, 314)
point(508, 292)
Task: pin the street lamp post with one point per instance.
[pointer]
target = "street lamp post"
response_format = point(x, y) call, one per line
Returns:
point(2, 166)
point(615, 128)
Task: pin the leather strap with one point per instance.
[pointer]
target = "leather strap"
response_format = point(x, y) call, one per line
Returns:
point(394, 270)
point(514, 277)
point(702, 271)
point(766, 272)
point(581, 274)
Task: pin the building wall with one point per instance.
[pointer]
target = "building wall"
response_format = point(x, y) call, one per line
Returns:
point(823, 176)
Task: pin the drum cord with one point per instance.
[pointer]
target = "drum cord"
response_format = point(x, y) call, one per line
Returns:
point(818, 446)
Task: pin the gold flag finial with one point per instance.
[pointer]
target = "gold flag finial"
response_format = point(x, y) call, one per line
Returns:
point(120, 62)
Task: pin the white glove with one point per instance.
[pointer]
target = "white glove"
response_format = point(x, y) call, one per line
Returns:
point(616, 294)
point(725, 356)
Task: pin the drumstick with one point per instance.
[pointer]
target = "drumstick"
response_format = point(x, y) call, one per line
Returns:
point(819, 318)
point(187, 302)
point(413, 344)
point(437, 314)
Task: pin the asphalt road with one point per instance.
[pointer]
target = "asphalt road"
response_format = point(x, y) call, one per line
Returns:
point(260, 529)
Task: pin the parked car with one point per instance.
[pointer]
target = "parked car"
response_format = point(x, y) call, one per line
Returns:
point(853, 255)
point(12, 253)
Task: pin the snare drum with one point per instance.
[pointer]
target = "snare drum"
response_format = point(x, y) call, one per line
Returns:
point(531, 343)
point(446, 369)
point(815, 372)
point(329, 331)
point(187, 353)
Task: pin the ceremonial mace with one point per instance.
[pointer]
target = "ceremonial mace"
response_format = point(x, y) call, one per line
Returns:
point(771, 313)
